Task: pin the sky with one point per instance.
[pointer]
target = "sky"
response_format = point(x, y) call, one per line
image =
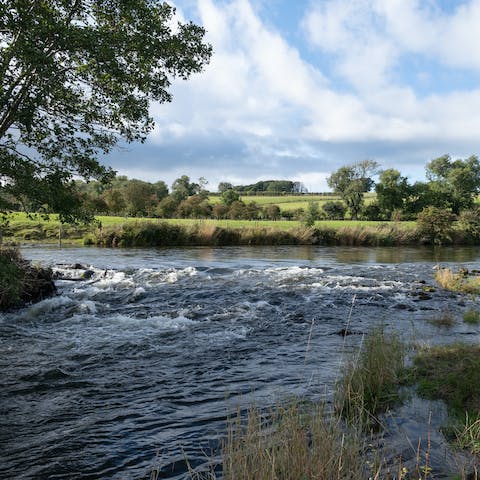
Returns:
point(296, 89)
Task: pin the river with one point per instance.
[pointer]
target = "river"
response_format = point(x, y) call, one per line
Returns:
point(138, 364)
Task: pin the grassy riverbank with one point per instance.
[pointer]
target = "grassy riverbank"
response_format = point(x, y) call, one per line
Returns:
point(129, 232)
point(150, 232)
point(20, 281)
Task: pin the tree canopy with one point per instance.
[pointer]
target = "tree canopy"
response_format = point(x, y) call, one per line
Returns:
point(352, 181)
point(76, 77)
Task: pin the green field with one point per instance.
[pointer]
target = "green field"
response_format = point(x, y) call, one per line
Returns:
point(289, 202)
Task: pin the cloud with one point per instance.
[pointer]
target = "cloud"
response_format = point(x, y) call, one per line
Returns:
point(262, 110)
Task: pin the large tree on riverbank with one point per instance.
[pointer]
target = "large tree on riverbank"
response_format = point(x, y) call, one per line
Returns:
point(76, 77)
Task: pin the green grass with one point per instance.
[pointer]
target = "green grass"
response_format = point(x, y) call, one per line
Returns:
point(370, 378)
point(472, 317)
point(452, 373)
point(290, 202)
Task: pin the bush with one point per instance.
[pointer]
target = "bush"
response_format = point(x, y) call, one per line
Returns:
point(435, 225)
point(469, 222)
point(334, 210)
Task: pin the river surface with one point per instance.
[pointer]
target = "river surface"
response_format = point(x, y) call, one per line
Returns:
point(138, 365)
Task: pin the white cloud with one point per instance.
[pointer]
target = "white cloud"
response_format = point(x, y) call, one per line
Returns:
point(284, 114)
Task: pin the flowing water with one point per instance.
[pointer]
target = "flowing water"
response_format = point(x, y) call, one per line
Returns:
point(138, 360)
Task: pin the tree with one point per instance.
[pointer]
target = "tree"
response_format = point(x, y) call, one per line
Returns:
point(351, 182)
point(272, 212)
point(436, 225)
point(313, 213)
point(182, 188)
point(229, 196)
point(161, 189)
point(455, 183)
point(141, 197)
point(76, 77)
point(392, 190)
point(224, 186)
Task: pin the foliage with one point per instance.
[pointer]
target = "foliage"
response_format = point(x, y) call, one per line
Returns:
point(392, 190)
point(334, 210)
point(11, 278)
point(272, 212)
point(273, 186)
point(435, 225)
point(292, 442)
point(451, 373)
point(312, 214)
point(469, 222)
point(183, 188)
point(371, 212)
point(351, 182)
point(224, 186)
point(471, 317)
point(458, 282)
point(229, 196)
point(140, 198)
point(76, 78)
point(456, 182)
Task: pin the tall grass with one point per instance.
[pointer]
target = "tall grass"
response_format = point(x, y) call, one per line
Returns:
point(457, 282)
point(370, 378)
point(293, 442)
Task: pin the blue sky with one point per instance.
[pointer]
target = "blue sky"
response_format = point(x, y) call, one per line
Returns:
point(296, 89)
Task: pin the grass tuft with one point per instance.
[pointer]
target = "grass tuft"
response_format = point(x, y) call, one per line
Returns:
point(369, 381)
point(460, 282)
point(471, 317)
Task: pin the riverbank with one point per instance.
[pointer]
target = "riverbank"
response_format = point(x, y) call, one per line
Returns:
point(298, 439)
point(122, 232)
point(21, 282)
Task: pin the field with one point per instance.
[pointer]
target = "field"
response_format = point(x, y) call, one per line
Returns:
point(289, 202)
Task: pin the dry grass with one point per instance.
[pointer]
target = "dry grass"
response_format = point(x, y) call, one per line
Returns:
point(458, 282)
point(294, 442)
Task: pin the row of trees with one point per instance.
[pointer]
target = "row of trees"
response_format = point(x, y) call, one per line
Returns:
point(451, 184)
point(265, 186)
point(186, 199)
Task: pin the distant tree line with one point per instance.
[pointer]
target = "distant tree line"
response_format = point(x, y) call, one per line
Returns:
point(273, 187)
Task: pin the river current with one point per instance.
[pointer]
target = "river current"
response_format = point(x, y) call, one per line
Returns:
point(140, 357)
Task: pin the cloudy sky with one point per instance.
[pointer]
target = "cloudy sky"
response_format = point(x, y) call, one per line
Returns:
point(298, 88)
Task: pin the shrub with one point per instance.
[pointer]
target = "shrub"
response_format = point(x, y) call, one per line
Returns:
point(435, 225)
point(334, 210)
